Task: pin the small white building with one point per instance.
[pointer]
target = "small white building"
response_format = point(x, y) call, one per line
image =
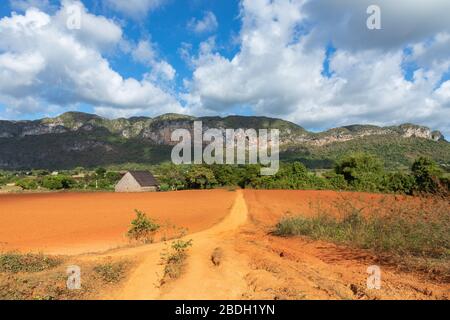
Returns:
point(137, 181)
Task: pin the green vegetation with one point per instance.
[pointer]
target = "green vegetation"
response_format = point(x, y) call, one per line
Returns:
point(397, 153)
point(76, 179)
point(142, 228)
point(200, 177)
point(174, 259)
point(362, 171)
point(15, 262)
point(427, 175)
point(59, 182)
point(27, 184)
point(355, 172)
point(389, 234)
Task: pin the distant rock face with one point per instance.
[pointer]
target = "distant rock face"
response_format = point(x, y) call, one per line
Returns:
point(79, 139)
point(158, 130)
point(420, 132)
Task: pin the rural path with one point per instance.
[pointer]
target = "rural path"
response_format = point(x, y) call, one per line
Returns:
point(257, 265)
point(201, 279)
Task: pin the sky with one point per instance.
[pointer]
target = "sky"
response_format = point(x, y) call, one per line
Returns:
point(312, 62)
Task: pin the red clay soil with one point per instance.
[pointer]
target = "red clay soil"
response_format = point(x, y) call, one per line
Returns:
point(298, 268)
point(271, 205)
point(72, 223)
point(257, 265)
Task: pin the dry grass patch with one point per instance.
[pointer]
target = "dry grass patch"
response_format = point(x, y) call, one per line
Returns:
point(39, 277)
point(16, 262)
point(412, 235)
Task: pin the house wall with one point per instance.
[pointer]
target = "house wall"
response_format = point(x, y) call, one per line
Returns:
point(149, 189)
point(129, 184)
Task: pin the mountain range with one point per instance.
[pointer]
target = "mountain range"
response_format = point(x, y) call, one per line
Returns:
point(77, 139)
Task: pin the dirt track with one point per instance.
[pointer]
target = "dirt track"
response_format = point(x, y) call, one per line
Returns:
point(259, 266)
point(202, 280)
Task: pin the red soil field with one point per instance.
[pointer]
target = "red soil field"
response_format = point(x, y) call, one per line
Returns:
point(268, 206)
point(300, 268)
point(73, 223)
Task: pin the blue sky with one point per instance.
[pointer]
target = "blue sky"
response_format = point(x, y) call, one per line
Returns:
point(168, 28)
point(313, 62)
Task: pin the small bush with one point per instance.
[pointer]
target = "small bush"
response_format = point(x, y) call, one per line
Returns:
point(15, 262)
point(336, 181)
point(427, 175)
point(142, 228)
point(164, 187)
point(399, 183)
point(175, 259)
point(27, 184)
point(58, 182)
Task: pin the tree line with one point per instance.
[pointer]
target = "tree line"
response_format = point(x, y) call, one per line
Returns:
point(355, 172)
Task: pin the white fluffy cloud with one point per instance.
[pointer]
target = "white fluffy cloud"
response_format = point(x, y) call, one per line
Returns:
point(145, 53)
point(46, 64)
point(207, 24)
point(279, 68)
point(402, 22)
point(136, 9)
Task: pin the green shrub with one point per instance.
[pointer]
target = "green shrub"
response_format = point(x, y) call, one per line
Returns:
point(290, 176)
point(113, 177)
point(27, 184)
point(200, 177)
point(336, 181)
point(100, 172)
point(427, 175)
point(142, 228)
point(174, 260)
point(58, 182)
point(362, 171)
point(399, 183)
point(164, 187)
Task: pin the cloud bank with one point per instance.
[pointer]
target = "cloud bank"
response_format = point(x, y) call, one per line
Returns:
point(285, 46)
point(310, 61)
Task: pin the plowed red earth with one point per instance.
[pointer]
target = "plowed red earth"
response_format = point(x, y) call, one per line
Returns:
point(71, 223)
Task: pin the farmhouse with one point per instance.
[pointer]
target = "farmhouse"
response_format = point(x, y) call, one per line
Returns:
point(137, 181)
